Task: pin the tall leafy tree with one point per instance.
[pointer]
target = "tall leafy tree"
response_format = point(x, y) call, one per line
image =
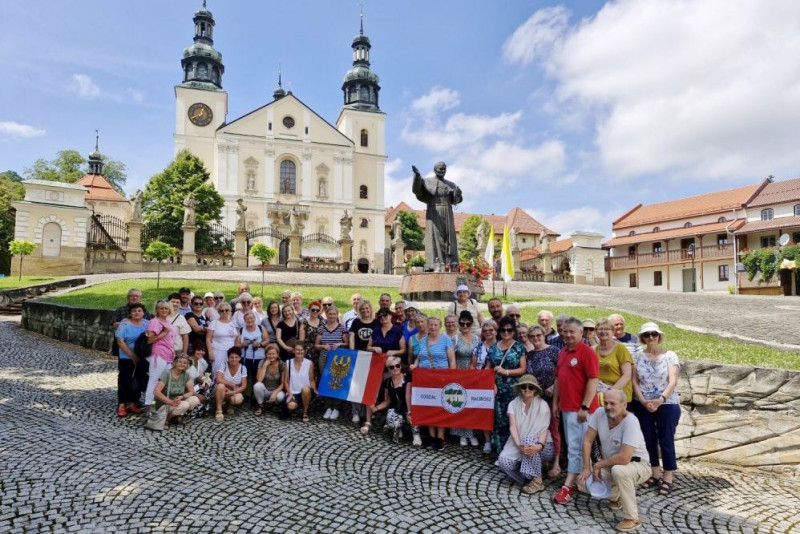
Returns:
point(162, 202)
point(468, 238)
point(70, 166)
point(413, 234)
point(10, 190)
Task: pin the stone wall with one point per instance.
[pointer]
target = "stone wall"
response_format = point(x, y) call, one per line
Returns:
point(81, 326)
point(14, 296)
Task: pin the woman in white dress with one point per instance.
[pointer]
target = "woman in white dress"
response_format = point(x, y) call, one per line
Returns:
point(220, 337)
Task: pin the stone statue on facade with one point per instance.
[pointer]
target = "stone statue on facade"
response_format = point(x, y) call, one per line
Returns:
point(397, 231)
point(544, 242)
point(241, 224)
point(136, 202)
point(189, 205)
point(251, 182)
point(481, 235)
point(440, 195)
point(512, 237)
point(293, 224)
point(346, 223)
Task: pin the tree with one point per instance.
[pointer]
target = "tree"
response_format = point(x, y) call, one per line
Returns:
point(159, 251)
point(162, 201)
point(21, 248)
point(413, 234)
point(70, 166)
point(468, 238)
point(264, 254)
point(11, 175)
point(10, 190)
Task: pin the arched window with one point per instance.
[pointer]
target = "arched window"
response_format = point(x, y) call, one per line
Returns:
point(767, 214)
point(797, 210)
point(632, 233)
point(687, 225)
point(288, 177)
point(364, 222)
point(722, 220)
point(363, 192)
point(656, 229)
point(364, 138)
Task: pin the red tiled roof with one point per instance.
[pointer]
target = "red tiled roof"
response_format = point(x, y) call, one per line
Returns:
point(516, 218)
point(777, 193)
point(710, 203)
point(100, 189)
point(779, 223)
point(556, 247)
point(674, 233)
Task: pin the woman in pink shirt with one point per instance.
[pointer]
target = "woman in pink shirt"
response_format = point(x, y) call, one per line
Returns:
point(161, 336)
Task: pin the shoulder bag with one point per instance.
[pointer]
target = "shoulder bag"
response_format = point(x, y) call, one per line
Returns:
point(157, 418)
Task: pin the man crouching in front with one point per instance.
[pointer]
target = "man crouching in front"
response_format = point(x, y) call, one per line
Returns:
point(625, 463)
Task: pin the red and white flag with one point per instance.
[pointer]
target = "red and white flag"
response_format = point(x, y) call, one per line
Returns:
point(453, 398)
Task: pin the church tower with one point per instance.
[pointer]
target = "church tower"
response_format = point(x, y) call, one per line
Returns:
point(201, 105)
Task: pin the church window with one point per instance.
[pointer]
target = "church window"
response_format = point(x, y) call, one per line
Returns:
point(288, 177)
point(202, 71)
point(687, 225)
point(363, 192)
point(364, 139)
point(288, 122)
point(364, 222)
point(269, 126)
point(364, 93)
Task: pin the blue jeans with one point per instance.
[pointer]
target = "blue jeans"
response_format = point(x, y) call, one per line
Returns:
point(574, 432)
point(658, 429)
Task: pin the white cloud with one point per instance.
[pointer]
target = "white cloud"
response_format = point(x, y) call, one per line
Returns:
point(17, 130)
point(398, 189)
point(438, 99)
point(684, 89)
point(536, 36)
point(84, 86)
point(584, 218)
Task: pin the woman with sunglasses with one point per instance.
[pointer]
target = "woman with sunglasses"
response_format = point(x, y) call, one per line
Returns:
point(270, 322)
point(311, 326)
point(464, 303)
point(616, 363)
point(480, 357)
point(529, 444)
point(387, 337)
point(221, 336)
point(656, 384)
point(175, 389)
point(252, 339)
point(330, 336)
point(197, 322)
point(289, 333)
point(161, 336)
point(435, 352)
point(394, 400)
point(541, 363)
point(509, 363)
point(465, 343)
point(268, 386)
point(360, 333)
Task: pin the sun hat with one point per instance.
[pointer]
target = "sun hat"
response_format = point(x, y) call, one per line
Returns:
point(411, 306)
point(650, 327)
point(598, 489)
point(208, 294)
point(588, 323)
point(530, 380)
point(464, 287)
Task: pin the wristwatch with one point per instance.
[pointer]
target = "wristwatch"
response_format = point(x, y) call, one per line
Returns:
point(584, 407)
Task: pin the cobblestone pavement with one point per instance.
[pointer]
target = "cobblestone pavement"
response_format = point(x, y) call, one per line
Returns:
point(753, 318)
point(69, 464)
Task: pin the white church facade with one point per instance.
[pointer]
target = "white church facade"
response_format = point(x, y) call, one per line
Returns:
point(284, 155)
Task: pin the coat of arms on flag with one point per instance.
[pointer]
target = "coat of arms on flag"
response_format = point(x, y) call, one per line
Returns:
point(453, 398)
point(353, 376)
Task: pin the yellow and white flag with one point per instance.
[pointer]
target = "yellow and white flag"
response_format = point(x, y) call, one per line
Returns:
point(507, 267)
point(489, 254)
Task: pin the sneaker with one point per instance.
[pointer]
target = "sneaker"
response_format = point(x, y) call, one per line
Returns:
point(122, 411)
point(328, 413)
point(629, 525)
point(438, 444)
point(487, 448)
point(417, 441)
point(356, 419)
point(397, 435)
point(134, 409)
point(334, 415)
point(463, 442)
point(614, 505)
point(564, 495)
point(473, 441)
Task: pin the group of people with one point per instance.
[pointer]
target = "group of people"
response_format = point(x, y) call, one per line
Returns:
point(607, 397)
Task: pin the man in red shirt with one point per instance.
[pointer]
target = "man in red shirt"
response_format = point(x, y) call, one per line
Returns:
point(574, 397)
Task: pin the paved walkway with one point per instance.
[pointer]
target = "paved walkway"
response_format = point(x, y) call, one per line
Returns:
point(769, 320)
point(69, 464)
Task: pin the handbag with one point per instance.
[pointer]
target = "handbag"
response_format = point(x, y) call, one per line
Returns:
point(141, 347)
point(156, 419)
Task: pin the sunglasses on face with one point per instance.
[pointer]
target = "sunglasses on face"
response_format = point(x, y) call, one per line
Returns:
point(514, 315)
point(506, 330)
point(197, 303)
point(246, 301)
point(527, 387)
point(219, 298)
point(396, 366)
point(465, 323)
point(589, 328)
point(327, 304)
point(650, 334)
point(314, 310)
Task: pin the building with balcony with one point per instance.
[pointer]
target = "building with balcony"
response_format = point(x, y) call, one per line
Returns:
point(680, 245)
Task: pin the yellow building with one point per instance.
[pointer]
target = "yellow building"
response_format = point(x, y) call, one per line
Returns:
point(284, 154)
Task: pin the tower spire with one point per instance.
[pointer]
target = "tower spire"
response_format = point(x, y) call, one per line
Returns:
point(360, 85)
point(279, 93)
point(95, 158)
point(201, 62)
point(97, 140)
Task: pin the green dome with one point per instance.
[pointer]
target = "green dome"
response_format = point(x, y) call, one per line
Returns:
point(202, 50)
point(360, 73)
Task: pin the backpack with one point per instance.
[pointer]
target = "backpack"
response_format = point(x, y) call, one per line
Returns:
point(142, 348)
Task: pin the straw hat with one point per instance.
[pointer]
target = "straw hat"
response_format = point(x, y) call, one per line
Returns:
point(530, 380)
point(650, 327)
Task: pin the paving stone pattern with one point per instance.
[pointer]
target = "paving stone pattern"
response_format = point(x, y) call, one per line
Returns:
point(69, 464)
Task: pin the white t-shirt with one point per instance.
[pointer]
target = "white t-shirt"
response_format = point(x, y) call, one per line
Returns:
point(627, 432)
point(348, 319)
point(198, 369)
point(237, 378)
point(181, 327)
point(298, 379)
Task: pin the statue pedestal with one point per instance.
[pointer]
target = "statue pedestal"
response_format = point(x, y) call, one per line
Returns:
point(346, 254)
point(399, 258)
point(188, 257)
point(240, 248)
point(133, 252)
point(437, 286)
point(294, 261)
point(515, 261)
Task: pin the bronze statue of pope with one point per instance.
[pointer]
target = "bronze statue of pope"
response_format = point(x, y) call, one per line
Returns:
point(440, 195)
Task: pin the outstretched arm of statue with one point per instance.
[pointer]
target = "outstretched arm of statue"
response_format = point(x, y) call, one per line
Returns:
point(418, 187)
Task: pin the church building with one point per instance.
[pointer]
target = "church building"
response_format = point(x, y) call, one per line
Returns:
point(284, 155)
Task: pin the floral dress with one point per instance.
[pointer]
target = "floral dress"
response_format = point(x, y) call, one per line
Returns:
point(464, 351)
point(510, 359)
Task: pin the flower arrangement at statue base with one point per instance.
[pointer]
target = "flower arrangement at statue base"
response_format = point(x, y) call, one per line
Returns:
point(477, 267)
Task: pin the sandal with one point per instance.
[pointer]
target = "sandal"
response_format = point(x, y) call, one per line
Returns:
point(365, 428)
point(305, 418)
point(665, 489)
point(259, 411)
point(219, 416)
point(532, 487)
point(651, 482)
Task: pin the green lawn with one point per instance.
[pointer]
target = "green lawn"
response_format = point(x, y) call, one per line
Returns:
point(12, 282)
point(688, 345)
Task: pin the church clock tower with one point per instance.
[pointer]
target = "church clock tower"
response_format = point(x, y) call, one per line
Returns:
point(201, 104)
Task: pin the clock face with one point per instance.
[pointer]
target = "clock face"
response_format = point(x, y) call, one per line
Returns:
point(288, 122)
point(200, 114)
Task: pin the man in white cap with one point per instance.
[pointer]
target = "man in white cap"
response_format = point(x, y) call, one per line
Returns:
point(625, 463)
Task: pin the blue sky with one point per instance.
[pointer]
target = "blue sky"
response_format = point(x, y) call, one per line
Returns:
point(573, 111)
